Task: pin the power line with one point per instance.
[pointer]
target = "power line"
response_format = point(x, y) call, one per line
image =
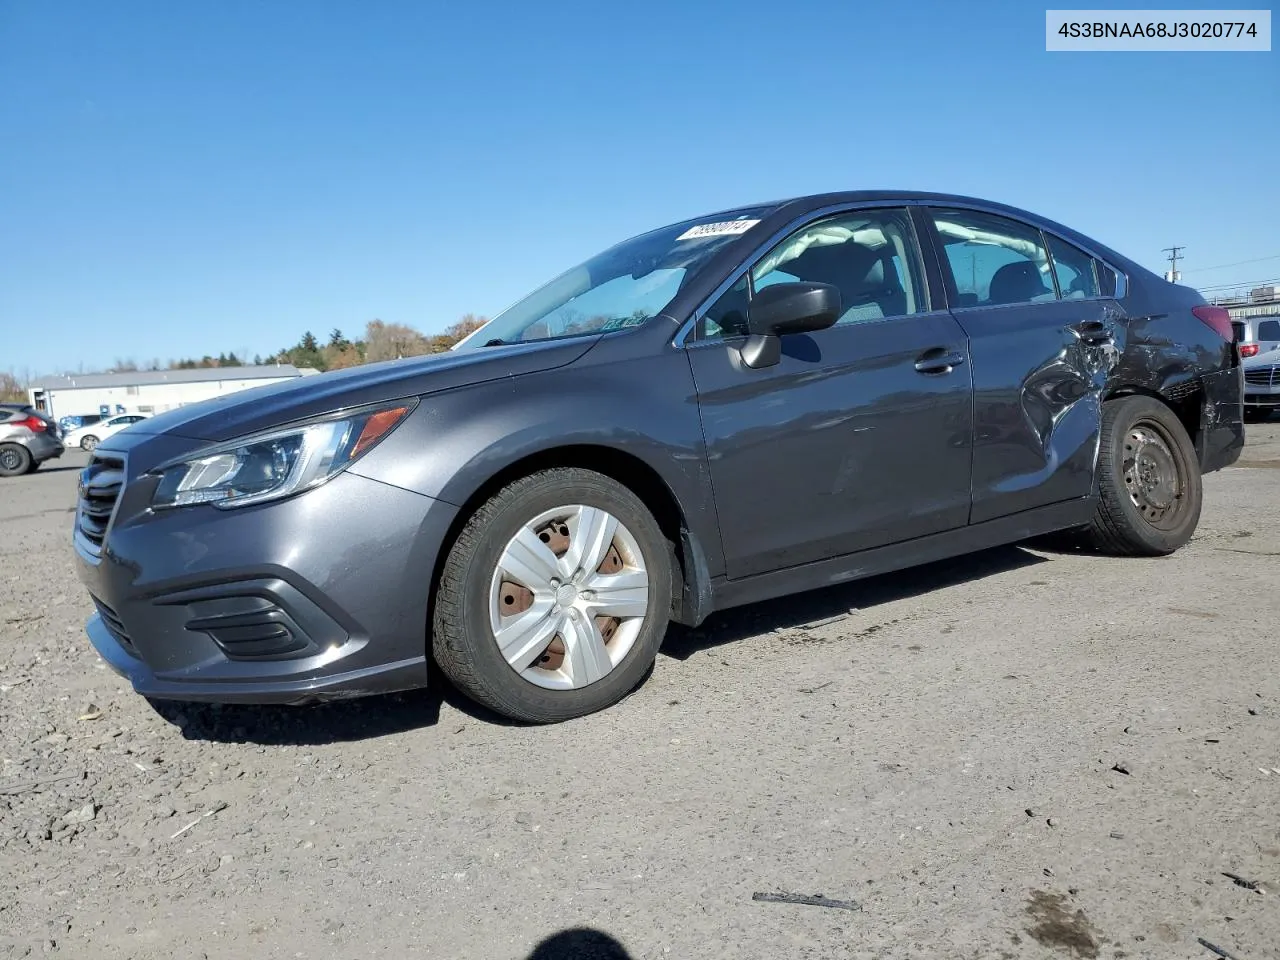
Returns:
point(1239, 263)
point(1245, 283)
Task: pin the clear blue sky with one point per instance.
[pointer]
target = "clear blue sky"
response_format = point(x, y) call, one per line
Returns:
point(188, 178)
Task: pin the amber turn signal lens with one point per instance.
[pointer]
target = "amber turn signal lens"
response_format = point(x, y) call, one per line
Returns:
point(376, 427)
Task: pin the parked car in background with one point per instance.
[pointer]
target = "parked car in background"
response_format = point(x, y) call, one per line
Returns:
point(69, 423)
point(1258, 340)
point(749, 404)
point(27, 439)
point(88, 437)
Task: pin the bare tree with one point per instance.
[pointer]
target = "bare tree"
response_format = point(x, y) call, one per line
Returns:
point(390, 341)
point(11, 390)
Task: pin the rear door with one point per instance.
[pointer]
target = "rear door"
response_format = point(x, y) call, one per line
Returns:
point(1044, 339)
point(860, 435)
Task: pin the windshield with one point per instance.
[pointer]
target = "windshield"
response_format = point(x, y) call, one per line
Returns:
point(625, 286)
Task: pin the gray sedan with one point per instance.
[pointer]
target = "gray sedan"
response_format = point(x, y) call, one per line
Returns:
point(747, 404)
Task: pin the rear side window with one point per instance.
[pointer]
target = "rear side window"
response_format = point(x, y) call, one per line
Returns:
point(994, 260)
point(1106, 279)
point(1074, 269)
point(1269, 330)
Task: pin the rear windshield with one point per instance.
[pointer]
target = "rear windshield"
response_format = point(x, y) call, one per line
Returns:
point(1269, 330)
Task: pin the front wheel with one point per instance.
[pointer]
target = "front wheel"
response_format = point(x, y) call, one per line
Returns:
point(89, 442)
point(1150, 489)
point(554, 598)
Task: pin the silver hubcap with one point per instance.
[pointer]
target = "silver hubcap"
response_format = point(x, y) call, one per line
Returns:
point(1151, 475)
point(10, 459)
point(568, 597)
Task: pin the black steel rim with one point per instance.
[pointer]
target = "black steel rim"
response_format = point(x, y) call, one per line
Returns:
point(1154, 474)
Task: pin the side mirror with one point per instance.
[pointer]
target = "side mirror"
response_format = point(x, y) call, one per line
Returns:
point(783, 308)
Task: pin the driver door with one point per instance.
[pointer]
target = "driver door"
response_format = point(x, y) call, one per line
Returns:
point(861, 435)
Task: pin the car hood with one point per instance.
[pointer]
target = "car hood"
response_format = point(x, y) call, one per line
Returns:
point(262, 408)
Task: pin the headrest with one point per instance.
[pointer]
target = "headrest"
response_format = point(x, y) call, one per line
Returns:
point(1015, 282)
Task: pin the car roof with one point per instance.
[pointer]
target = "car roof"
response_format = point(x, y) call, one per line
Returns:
point(801, 204)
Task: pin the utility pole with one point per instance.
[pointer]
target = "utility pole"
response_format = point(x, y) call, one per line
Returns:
point(1173, 276)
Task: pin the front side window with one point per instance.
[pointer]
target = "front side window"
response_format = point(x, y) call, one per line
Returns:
point(870, 256)
point(1074, 269)
point(625, 286)
point(994, 260)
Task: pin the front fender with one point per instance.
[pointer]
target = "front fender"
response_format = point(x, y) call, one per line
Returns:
point(646, 407)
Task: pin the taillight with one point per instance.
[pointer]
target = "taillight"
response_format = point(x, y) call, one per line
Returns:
point(34, 424)
point(1216, 318)
point(1248, 350)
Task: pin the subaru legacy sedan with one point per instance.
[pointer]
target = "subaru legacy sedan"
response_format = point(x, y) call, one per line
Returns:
point(722, 411)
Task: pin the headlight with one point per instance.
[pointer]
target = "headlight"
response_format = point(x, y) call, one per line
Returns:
point(272, 465)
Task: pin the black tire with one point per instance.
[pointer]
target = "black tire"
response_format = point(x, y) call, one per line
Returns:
point(462, 639)
point(88, 443)
point(1257, 414)
point(15, 459)
point(1121, 526)
point(35, 465)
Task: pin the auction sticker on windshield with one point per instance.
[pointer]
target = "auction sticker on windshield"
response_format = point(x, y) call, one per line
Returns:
point(727, 228)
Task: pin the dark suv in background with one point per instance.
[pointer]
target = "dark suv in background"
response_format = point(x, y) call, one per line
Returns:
point(758, 402)
point(27, 439)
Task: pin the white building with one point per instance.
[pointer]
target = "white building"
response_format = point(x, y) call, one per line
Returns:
point(149, 391)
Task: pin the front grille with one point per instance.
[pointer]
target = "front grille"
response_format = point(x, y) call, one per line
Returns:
point(1263, 376)
point(116, 627)
point(100, 485)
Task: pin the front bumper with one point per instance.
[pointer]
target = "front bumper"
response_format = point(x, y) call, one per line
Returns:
point(321, 596)
point(1261, 396)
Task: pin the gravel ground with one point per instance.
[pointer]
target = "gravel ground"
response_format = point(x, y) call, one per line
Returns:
point(1020, 754)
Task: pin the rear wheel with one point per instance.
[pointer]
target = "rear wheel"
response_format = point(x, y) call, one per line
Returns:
point(15, 460)
point(1149, 480)
point(89, 442)
point(554, 598)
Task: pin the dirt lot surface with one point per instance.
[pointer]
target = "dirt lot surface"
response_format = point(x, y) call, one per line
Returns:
point(1020, 754)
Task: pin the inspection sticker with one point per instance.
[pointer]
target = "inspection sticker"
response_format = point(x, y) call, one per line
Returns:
point(726, 228)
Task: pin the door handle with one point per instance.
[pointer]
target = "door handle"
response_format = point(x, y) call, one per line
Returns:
point(939, 361)
point(1093, 333)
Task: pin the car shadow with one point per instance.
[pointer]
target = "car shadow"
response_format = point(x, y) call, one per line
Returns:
point(336, 721)
point(61, 468)
point(815, 605)
point(580, 943)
